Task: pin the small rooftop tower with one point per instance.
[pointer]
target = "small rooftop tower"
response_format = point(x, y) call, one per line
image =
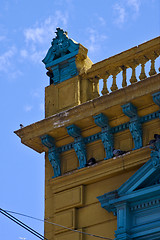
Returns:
point(66, 61)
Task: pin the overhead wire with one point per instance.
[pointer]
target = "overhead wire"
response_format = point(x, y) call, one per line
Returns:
point(73, 230)
point(23, 225)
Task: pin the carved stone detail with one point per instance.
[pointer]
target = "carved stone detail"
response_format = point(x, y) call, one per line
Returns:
point(79, 145)
point(106, 136)
point(53, 154)
point(134, 125)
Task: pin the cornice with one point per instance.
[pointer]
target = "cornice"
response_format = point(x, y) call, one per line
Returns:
point(30, 135)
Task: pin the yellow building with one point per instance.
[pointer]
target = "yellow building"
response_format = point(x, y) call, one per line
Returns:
point(94, 142)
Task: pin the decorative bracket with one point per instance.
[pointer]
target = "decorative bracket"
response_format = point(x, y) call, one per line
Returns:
point(156, 99)
point(134, 125)
point(155, 154)
point(79, 145)
point(106, 136)
point(53, 154)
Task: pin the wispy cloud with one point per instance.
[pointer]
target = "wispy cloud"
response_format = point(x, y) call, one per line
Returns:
point(95, 40)
point(37, 37)
point(6, 57)
point(102, 21)
point(28, 108)
point(135, 5)
point(120, 14)
point(41, 32)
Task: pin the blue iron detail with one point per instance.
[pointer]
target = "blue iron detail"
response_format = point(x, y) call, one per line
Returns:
point(79, 144)
point(61, 57)
point(134, 125)
point(106, 135)
point(53, 154)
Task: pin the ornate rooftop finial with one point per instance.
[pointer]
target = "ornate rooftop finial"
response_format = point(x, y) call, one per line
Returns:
point(65, 58)
point(61, 45)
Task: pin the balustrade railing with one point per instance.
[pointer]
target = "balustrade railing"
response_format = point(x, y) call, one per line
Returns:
point(139, 55)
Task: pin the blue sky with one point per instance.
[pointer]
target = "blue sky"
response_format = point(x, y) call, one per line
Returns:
point(105, 27)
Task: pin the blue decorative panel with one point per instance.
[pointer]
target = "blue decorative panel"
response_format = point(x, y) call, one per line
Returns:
point(61, 57)
point(134, 125)
point(114, 130)
point(156, 98)
point(137, 202)
point(53, 154)
point(79, 145)
point(106, 134)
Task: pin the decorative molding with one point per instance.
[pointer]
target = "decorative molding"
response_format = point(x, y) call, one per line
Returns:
point(119, 128)
point(106, 135)
point(136, 202)
point(155, 154)
point(134, 125)
point(79, 144)
point(61, 57)
point(145, 204)
point(53, 154)
point(156, 98)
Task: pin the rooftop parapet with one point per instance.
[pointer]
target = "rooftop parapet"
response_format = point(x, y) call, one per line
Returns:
point(130, 58)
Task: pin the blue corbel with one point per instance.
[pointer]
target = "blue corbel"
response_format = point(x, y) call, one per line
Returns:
point(53, 154)
point(156, 99)
point(106, 136)
point(79, 145)
point(155, 154)
point(134, 125)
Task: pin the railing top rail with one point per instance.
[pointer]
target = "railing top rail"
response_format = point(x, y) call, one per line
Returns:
point(123, 57)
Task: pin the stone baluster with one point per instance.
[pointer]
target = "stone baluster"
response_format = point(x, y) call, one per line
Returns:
point(143, 61)
point(153, 57)
point(124, 81)
point(105, 77)
point(95, 82)
point(133, 64)
point(114, 74)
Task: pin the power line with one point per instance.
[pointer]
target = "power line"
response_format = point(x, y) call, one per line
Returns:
point(73, 230)
point(23, 225)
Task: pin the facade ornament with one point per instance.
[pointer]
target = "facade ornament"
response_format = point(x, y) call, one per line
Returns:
point(156, 99)
point(53, 154)
point(134, 125)
point(155, 154)
point(106, 136)
point(79, 145)
point(62, 57)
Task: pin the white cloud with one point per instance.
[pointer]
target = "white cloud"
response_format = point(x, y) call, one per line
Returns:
point(102, 21)
point(24, 53)
point(28, 108)
point(41, 32)
point(95, 39)
point(39, 36)
point(6, 57)
point(120, 14)
point(134, 4)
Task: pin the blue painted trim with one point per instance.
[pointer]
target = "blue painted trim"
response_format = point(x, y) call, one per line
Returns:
point(106, 135)
point(137, 202)
point(119, 128)
point(53, 154)
point(156, 98)
point(134, 125)
point(79, 144)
